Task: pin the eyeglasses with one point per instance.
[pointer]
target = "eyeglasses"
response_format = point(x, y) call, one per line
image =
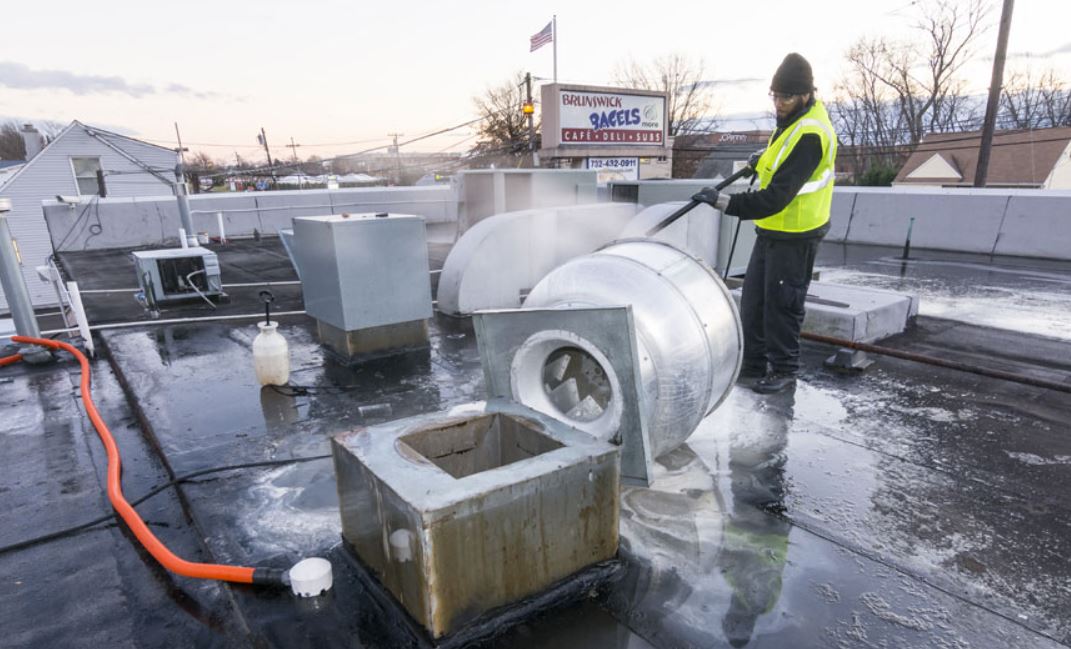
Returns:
point(782, 97)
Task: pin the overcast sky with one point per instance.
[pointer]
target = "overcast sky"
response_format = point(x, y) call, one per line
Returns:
point(338, 75)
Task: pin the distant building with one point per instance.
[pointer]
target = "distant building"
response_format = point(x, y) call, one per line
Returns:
point(68, 166)
point(709, 155)
point(395, 166)
point(1038, 158)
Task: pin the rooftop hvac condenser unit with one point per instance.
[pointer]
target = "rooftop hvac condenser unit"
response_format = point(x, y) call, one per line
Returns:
point(178, 274)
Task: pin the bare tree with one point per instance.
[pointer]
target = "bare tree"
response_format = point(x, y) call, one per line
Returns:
point(50, 128)
point(1027, 101)
point(896, 92)
point(313, 165)
point(866, 111)
point(12, 146)
point(503, 133)
point(200, 162)
point(681, 78)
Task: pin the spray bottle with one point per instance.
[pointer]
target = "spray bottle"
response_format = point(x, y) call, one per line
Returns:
point(271, 354)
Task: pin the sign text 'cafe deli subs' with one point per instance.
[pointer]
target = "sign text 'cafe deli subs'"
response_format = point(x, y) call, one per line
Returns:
point(583, 121)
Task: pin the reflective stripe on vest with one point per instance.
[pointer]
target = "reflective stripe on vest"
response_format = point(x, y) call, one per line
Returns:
point(809, 209)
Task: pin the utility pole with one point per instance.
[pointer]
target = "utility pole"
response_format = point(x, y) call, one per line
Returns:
point(293, 147)
point(994, 95)
point(181, 149)
point(232, 183)
point(184, 207)
point(262, 138)
point(529, 110)
point(397, 156)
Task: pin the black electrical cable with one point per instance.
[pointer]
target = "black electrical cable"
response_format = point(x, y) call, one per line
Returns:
point(291, 390)
point(94, 228)
point(77, 221)
point(70, 531)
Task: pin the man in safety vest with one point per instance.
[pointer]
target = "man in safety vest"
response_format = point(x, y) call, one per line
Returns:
point(791, 214)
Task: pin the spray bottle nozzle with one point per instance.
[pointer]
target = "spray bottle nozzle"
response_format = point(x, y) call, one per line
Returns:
point(267, 298)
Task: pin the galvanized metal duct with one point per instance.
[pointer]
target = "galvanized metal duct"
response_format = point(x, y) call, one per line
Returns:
point(688, 337)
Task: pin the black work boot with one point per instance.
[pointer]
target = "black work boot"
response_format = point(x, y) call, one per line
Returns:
point(748, 375)
point(774, 382)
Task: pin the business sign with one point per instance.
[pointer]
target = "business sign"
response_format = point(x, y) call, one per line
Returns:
point(611, 118)
point(609, 170)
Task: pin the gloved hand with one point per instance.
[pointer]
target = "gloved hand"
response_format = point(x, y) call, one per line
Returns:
point(711, 197)
point(753, 162)
point(707, 195)
point(753, 159)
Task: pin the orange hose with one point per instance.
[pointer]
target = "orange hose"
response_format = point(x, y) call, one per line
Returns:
point(115, 489)
point(8, 360)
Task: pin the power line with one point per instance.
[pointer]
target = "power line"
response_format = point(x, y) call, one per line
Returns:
point(355, 154)
point(257, 146)
point(922, 147)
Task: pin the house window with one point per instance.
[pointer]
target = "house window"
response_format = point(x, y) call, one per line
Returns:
point(85, 174)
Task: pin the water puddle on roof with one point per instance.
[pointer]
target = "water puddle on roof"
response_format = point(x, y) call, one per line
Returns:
point(1033, 305)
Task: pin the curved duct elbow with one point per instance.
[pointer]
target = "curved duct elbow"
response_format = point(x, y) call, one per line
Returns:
point(688, 333)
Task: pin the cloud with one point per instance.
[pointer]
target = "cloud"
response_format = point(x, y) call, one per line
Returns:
point(20, 76)
point(1063, 49)
point(179, 89)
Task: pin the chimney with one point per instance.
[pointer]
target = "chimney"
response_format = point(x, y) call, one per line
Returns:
point(33, 140)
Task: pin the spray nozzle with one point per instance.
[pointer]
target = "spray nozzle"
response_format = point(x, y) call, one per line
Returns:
point(267, 297)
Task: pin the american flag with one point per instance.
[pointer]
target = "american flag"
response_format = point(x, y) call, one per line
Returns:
point(544, 36)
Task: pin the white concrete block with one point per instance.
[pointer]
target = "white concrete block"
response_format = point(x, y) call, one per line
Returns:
point(860, 314)
point(954, 219)
point(1037, 226)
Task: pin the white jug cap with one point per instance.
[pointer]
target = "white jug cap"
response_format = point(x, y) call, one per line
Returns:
point(311, 577)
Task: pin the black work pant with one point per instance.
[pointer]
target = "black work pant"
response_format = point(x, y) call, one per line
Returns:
point(771, 307)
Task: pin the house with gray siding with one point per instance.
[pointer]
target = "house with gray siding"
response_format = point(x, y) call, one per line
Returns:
point(68, 166)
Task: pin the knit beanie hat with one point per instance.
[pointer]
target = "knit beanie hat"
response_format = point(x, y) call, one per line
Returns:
point(793, 76)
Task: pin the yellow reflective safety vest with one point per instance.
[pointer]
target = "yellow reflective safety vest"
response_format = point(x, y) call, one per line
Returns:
point(810, 208)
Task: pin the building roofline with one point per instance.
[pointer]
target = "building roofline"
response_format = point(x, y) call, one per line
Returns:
point(103, 131)
point(29, 163)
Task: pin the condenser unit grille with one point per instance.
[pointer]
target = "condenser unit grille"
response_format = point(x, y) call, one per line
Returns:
point(177, 275)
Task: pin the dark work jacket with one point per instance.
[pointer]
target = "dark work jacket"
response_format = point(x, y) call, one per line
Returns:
point(785, 184)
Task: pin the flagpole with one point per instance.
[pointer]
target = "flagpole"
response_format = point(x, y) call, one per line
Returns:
point(554, 33)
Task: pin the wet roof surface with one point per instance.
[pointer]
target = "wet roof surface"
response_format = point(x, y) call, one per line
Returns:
point(908, 506)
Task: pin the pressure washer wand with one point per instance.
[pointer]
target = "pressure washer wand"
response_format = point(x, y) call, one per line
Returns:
point(666, 222)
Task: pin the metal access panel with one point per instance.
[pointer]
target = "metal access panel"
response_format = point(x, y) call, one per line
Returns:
point(579, 366)
point(176, 274)
point(486, 192)
point(364, 270)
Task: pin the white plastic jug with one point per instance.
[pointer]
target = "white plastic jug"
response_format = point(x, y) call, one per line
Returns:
point(271, 355)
